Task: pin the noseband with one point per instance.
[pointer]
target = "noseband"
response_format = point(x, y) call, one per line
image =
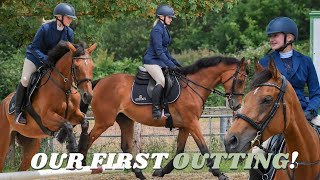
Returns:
point(261, 127)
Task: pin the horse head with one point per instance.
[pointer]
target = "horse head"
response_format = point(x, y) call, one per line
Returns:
point(233, 81)
point(82, 71)
point(263, 111)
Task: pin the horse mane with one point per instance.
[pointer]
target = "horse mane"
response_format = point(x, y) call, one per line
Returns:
point(56, 53)
point(208, 62)
point(260, 78)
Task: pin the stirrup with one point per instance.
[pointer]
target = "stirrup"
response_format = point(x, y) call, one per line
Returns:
point(18, 119)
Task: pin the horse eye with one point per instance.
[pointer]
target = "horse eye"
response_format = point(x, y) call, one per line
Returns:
point(267, 100)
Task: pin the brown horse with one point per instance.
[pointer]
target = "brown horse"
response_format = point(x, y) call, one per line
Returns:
point(56, 101)
point(112, 102)
point(270, 108)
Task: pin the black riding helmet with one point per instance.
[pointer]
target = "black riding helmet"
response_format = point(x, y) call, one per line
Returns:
point(64, 9)
point(283, 25)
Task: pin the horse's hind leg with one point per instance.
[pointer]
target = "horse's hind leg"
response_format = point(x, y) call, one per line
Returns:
point(126, 126)
point(5, 138)
point(30, 147)
point(181, 143)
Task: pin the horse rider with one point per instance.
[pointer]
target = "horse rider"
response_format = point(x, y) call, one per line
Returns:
point(158, 56)
point(298, 69)
point(48, 36)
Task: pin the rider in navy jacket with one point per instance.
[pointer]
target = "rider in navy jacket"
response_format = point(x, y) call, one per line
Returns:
point(157, 52)
point(158, 56)
point(47, 37)
point(296, 67)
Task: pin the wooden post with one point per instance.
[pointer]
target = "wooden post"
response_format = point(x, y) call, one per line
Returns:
point(12, 152)
point(137, 139)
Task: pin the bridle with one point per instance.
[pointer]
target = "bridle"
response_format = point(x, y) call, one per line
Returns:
point(235, 78)
point(73, 72)
point(74, 84)
point(261, 127)
point(229, 95)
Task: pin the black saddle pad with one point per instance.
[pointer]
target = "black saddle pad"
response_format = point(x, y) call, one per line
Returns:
point(32, 86)
point(139, 93)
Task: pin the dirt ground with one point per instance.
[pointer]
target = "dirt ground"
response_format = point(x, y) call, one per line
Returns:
point(172, 176)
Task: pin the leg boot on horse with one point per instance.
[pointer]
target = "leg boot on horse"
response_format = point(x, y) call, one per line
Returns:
point(156, 99)
point(20, 94)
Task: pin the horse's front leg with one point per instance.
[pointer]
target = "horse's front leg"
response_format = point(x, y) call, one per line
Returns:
point(72, 146)
point(181, 143)
point(84, 138)
point(196, 133)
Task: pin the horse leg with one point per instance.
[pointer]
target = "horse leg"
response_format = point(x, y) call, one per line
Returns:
point(30, 147)
point(127, 129)
point(181, 143)
point(71, 139)
point(84, 138)
point(196, 133)
point(101, 125)
point(5, 140)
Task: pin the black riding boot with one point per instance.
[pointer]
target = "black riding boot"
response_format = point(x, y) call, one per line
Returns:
point(156, 98)
point(20, 93)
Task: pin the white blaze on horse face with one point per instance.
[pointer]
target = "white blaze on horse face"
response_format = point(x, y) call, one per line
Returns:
point(255, 91)
point(85, 62)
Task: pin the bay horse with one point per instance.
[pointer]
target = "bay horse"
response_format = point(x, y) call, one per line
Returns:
point(56, 101)
point(272, 107)
point(112, 102)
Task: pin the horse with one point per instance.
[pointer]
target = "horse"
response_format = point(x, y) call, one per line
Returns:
point(56, 102)
point(272, 107)
point(112, 103)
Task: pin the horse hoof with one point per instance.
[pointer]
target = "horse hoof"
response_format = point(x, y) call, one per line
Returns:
point(158, 173)
point(84, 163)
point(140, 176)
point(223, 177)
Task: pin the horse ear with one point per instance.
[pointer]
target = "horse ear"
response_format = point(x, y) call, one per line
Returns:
point(92, 48)
point(272, 67)
point(257, 66)
point(71, 47)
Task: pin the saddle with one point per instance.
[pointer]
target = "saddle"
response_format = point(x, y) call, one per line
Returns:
point(33, 85)
point(143, 85)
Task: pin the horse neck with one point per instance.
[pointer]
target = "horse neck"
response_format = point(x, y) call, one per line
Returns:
point(299, 135)
point(64, 67)
point(208, 78)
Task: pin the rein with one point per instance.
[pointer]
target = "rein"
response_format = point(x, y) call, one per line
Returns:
point(215, 91)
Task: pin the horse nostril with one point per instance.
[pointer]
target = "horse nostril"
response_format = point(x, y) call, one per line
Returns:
point(233, 141)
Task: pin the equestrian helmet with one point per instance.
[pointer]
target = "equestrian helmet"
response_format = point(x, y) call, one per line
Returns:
point(65, 9)
point(165, 10)
point(283, 25)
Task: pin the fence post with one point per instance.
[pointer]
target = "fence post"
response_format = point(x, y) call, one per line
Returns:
point(223, 129)
point(137, 139)
point(12, 152)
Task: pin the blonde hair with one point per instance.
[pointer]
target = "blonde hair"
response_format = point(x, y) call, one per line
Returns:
point(44, 21)
point(155, 22)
